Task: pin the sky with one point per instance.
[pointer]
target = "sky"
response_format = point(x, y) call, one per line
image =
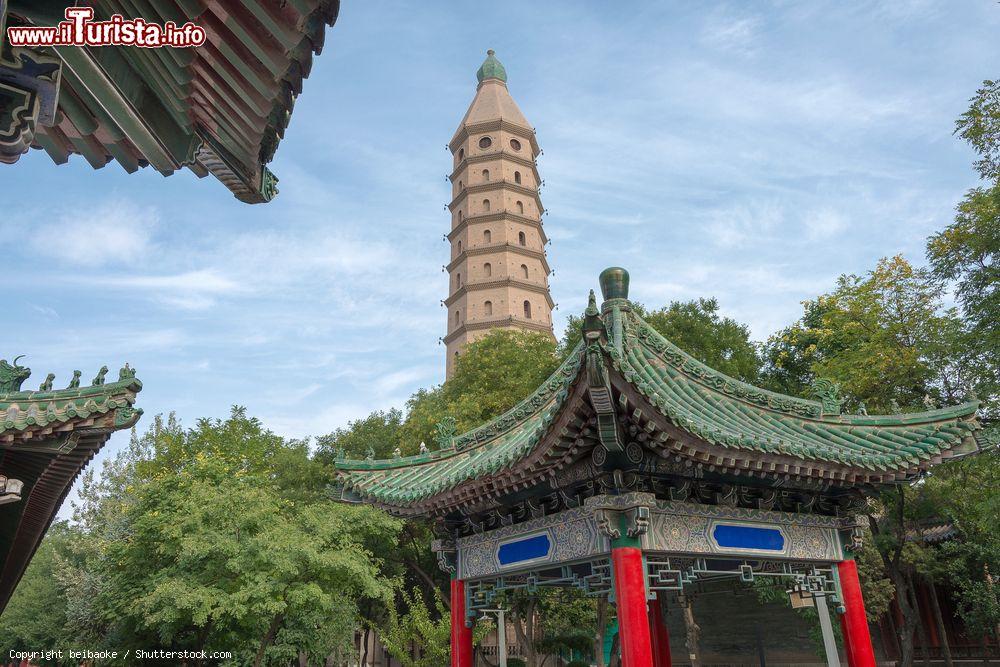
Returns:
point(748, 151)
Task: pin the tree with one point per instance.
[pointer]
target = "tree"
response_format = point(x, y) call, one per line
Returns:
point(36, 613)
point(967, 253)
point(492, 375)
point(223, 537)
point(698, 329)
point(377, 433)
point(884, 337)
point(980, 126)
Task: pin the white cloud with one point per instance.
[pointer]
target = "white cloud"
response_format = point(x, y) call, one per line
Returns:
point(742, 224)
point(823, 224)
point(731, 33)
point(117, 231)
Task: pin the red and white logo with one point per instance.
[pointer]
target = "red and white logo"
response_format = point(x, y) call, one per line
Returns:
point(80, 29)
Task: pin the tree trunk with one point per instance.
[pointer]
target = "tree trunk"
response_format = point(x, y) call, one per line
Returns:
point(364, 646)
point(692, 631)
point(939, 621)
point(616, 657)
point(602, 623)
point(909, 624)
point(524, 628)
point(268, 637)
point(921, 630)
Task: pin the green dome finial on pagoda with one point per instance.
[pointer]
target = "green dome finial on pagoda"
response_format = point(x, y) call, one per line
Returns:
point(491, 68)
point(614, 283)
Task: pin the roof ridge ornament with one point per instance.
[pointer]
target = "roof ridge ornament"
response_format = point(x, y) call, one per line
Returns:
point(828, 392)
point(491, 68)
point(445, 432)
point(12, 375)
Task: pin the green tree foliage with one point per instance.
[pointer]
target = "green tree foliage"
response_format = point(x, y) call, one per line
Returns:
point(697, 328)
point(970, 563)
point(492, 375)
point(884, 337)
point(378, 434)
point(220, 537)
point(980, 126)
point(36, 613)
point(967, 253)
point(415, 636)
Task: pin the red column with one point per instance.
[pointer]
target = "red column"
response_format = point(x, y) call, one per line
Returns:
point(633, 619)
point(461, 634)
point(658, 631)
point(857, 638)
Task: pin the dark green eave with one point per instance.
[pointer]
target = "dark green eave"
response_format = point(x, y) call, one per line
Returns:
point(47, 437)
point(689, 411)
point(221, 108)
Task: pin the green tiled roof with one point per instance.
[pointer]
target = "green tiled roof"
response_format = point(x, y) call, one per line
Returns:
point(25, 414)
point(728, 418)
point(47, 437)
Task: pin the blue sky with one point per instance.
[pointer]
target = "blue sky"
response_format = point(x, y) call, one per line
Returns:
point(747, 151)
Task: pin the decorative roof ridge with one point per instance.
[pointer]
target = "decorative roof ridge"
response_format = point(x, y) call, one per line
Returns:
point(13, 375)
point(131, 383)
point(560, 379)
point(775, 401)
point(708, 376)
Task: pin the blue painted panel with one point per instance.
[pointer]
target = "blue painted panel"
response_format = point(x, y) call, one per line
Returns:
point(748, 537)
point(521, 550)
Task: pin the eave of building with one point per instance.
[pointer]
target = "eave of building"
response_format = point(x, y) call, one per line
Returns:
point(677, 410)
point(46, 440)
point(492, 248)
point(505, 155)
point(493, 186)
point(221, 108)
point(497, 323)
point(466, 131)
point(496, 216)
point(500, 282)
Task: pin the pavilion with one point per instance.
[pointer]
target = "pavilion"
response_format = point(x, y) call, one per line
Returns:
point(636, 472)
point(220, 108)
point(47, 437)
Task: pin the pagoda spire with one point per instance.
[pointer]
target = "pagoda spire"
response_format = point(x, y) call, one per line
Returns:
point(498, 273)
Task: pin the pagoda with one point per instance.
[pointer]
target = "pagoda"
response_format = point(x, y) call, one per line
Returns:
point(498, 273)
point(47, 436)
point(637, 472)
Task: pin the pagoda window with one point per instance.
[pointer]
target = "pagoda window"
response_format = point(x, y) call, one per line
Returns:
point(488, 308)
point(461, 216)
point(461, 185)
point(527, 309)
point(458, 279)
point(486, 205)
point(517, 177)
point(459, 247)
point(486, 174)
point(521, 239)
point(461, 153)
point(524, 270)
point(520, 207)
point(488, 269)
point(458, 315)
point(486, 236)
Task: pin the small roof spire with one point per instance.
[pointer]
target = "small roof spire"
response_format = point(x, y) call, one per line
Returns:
point(491, 68)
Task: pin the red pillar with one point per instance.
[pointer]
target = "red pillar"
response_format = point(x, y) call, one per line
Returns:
point(857, 638)
point(658, 632)
point(633, 619)
point(461, 634)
